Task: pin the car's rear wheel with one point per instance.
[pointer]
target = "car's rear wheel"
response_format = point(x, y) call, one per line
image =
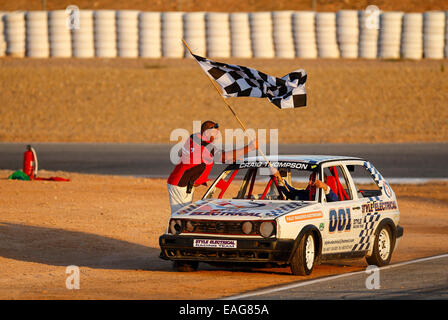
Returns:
point(185, 266)
point(382, 247)
point(302, 262)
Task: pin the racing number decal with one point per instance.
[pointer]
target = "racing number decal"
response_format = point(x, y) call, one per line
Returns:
point(340, 220)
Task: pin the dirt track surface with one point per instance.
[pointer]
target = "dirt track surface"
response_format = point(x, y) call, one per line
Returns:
point(143, 100)
point(109, 227)
point(228, 5)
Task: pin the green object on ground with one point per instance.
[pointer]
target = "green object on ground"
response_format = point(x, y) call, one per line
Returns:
point(19, 175)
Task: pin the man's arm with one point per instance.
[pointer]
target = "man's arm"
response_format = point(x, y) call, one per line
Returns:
point(236, 154)
point(292, 193)
point(330, 195)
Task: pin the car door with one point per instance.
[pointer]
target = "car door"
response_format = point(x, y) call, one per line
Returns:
point(340, 215)
point(366, 180)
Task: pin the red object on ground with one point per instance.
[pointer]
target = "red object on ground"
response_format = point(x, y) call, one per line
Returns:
point(52, 179)
point(29, 164)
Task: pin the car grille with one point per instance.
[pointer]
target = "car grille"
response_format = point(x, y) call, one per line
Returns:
point(217, 227)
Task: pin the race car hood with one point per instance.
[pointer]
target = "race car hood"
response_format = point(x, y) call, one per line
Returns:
point(238, 209)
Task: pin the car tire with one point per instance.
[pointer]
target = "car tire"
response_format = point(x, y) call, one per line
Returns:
point(304, 258)
point(382, 247)
point(185, 266)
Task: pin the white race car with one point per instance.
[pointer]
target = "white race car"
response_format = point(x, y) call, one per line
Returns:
point(246, 216)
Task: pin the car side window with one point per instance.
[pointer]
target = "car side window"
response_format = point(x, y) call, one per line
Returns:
point(337, 181)
point(365, 184)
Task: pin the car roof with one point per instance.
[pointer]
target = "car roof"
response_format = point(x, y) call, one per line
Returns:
point(312, 159)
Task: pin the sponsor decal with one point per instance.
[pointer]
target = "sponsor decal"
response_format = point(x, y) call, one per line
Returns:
point(387, 190)
point(190, 208)
point(226, 213)
point(322, 226)
point(340, 220)
point(225, 208)
point(366, 232)
point(338, 245)
point(214, 243)
point(292, 165)
point(304, 216)
point(358, 223)
point(238, 205)
point(379, 206)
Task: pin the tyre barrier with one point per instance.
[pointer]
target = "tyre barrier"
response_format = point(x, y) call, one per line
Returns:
point(411, 36)
point(83, 42)
point(327, 46)
point(277, 34)
point(282, 34)
point(304, 34)
point(59, 34)
point(261, 35)
point(2, 36)
point(37, 42)
point(149, 30)
point(218, 34)
point(15, 33)
point(347, 33)
point(194, 33)
point(446, 34)
point(171, 34)
point(368, 35)
point(105, 38)
point(127, 33)
point(240, 42)
point(434, 34)
point(390, 35)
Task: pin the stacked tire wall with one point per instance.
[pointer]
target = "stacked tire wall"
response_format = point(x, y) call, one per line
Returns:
point(345, 34)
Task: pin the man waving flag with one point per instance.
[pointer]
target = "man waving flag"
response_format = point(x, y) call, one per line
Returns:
point(239, 81)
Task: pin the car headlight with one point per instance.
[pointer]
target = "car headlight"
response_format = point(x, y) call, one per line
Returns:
point(175, 226)
point(247, 227)
point(267, 228)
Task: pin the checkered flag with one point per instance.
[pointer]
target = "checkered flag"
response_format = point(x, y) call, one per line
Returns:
point(239, 81)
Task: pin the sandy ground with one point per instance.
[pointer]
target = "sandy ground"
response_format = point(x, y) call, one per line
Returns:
point(144, 100)
point(228, 5)
point(109, 227)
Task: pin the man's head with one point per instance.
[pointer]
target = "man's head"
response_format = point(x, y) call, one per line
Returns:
point(209, 130)
point(283, 172)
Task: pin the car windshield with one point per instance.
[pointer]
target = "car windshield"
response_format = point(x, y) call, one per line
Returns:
point(254, 180)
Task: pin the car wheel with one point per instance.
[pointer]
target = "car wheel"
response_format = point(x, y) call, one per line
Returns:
point(382, 247)
point(185, 266)
point(302, 262)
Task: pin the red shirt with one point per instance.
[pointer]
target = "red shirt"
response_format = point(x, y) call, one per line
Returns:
point(196, 162)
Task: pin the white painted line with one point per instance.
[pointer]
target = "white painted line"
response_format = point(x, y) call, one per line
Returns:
point(310, 282)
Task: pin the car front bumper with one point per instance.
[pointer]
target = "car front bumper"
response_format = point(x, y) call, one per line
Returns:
point(176, 248)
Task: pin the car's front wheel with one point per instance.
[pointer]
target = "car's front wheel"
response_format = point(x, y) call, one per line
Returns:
point(302, 262)
point(382, 247)
point(185, 266)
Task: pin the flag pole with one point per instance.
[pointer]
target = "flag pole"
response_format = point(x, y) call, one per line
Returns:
point(233, 112)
